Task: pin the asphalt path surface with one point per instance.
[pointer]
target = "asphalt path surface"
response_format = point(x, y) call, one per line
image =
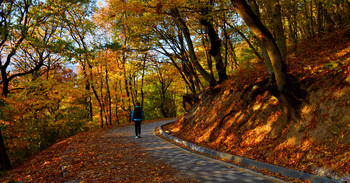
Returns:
point(191, 165)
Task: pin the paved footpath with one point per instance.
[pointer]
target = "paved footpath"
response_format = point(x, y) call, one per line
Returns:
point(192, 165)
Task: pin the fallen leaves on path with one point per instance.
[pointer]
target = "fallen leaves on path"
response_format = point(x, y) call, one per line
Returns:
point(98, 156)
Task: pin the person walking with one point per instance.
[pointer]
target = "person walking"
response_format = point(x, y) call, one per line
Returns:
point(137, 117)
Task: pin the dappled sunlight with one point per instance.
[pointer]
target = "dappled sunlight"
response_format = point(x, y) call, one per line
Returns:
point(271, 101)
point(274, 117)
point(257, 128)
point(207, 132)
point(240, 116)
point(306, 145)
point(176, 129)
point(343, 53)
point(221, 137)
point(211, 115)
point(289, 143)
point(257, 106)
point(254, 136)
point(306, 109)
point(230, 139)
point(340, 93)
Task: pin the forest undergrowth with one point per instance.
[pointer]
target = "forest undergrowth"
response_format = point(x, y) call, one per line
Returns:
point(227, 118)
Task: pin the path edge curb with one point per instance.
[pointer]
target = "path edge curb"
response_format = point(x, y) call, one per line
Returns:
point(248, 162)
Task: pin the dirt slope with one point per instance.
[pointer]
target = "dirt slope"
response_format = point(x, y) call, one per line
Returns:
point(227, 119)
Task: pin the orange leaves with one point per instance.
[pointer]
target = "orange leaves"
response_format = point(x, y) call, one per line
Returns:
point(104, 156)
point(317, 142)
point(99, 156)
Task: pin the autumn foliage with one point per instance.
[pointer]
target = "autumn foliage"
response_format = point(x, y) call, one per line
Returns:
point(227, 120)
point(71, 66)
point(97, 156)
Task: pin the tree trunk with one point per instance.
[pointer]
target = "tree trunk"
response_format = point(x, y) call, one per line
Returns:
point(182, 25)
point(248, 42)
point(4, 159)
point(256, 26)
point(215, 44)
point(142, 78)
point(118, 83)
point(292, 24)
point(87, 96)
point(278, 28)
point(255, 9)
point(288, 94)
point(311, 20)
point(187, 66)
point(96, 95)
point(5, 84)
point(207, 54)
point(109, 111)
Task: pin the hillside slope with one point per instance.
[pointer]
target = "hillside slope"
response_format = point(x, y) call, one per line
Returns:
point(227, 118)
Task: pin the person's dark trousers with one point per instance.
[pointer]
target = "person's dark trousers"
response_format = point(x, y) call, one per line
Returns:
point(137, 127)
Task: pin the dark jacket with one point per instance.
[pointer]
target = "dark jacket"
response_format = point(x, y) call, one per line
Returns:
point(137, 114)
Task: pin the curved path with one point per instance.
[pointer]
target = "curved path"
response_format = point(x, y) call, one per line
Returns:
point(191, 165)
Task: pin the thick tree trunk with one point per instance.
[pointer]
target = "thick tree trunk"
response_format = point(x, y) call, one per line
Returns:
point(255, 9)
point(5, 85)
point(278, 28)
point(4, 159)
point(288, 94)
point(256, 26)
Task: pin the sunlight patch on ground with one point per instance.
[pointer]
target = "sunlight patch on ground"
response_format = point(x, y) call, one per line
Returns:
point(229, 139)
point(257, 106)
point(307, 144)
point(253, 137)
point(273, 117)
point(339, 93)
point(290, 142)
point(306, 109)
point(176, 129)
point(221, 137)
point(271, 101)
point(207, 133)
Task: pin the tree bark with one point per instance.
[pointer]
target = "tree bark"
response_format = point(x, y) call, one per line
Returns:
point(255, 9)
point(142, 78)
point(215, 42)
point(182, 25)
point(88, 95)
point(4, 159)
point(96, 95)
point(254, 23)
point(109, 111)
point(278, 27)
point(288, 94)
point(247, 41)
